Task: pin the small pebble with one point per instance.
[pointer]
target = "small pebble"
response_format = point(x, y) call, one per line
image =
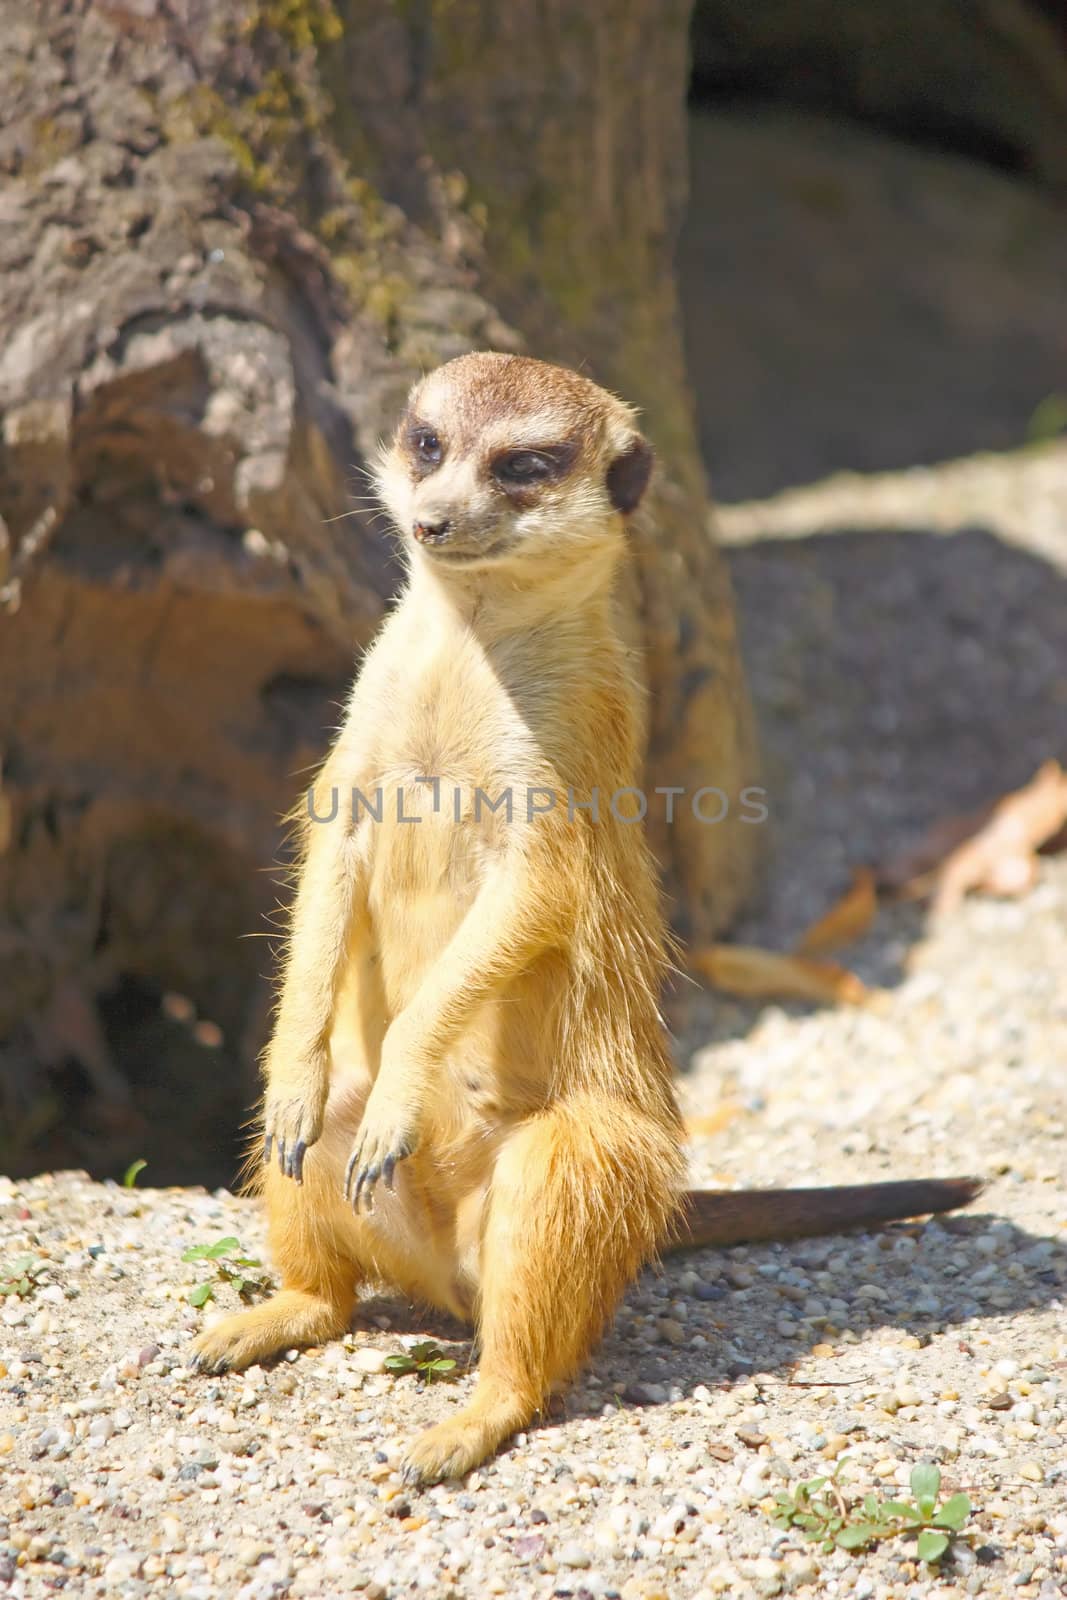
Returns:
point(367, 1359)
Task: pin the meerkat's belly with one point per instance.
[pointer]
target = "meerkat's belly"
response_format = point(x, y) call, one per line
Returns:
point(424, 1234)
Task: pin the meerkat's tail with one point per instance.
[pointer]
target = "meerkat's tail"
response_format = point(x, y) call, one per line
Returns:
point(747, 1216)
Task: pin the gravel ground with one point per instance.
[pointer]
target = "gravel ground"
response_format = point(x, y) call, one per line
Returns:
point(904, 667)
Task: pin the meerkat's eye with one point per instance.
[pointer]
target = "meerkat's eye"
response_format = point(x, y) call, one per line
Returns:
point(426, 447)
point(523, 467)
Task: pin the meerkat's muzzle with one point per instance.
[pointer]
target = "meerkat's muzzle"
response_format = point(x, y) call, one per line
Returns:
point(456, 541)
point(432, 532)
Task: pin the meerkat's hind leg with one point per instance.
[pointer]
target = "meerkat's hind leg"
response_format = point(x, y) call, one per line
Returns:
point(288, 1320)
point(319, 1277)
point(581, 1196)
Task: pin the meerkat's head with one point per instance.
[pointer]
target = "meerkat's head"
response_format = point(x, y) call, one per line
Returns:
point(499, 459)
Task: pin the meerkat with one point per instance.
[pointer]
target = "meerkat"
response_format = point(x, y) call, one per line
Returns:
point(468, 1088)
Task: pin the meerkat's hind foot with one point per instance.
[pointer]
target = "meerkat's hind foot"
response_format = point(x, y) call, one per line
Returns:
point(289, 1319)
point(463, 1442)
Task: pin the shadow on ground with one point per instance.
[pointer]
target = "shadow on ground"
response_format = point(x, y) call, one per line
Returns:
point(900, 677)
point(738, 1319)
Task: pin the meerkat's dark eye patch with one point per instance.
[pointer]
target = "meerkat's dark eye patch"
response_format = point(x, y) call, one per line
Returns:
point(425, 447)
point(525, 469)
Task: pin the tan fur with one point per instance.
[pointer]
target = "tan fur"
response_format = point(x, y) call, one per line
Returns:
point(469, 1007)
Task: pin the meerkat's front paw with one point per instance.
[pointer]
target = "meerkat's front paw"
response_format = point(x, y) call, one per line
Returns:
point(387, 1135)
point(292, 1121)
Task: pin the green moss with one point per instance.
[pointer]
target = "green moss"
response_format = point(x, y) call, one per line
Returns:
point(273, 126)
point(53, 138)
point(334, 224)
point(204, 113)
point(380, 294)
point(301, 24)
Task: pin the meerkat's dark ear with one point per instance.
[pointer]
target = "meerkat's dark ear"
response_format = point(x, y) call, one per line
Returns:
point(628, 475)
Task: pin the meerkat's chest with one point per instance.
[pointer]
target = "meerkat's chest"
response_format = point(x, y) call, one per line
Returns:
point(447, 783)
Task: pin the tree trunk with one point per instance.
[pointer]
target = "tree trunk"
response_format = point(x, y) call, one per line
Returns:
point(230, 236)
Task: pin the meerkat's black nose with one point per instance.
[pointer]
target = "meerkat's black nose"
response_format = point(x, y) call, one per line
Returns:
point(432, 532)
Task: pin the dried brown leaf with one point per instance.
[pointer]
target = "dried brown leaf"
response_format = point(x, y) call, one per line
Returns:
point(1000, 856)
point(765, 974)
point(848, 919)
point(910, 875)
point(993, 850)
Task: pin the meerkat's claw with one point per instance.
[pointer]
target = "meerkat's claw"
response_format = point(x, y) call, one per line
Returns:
point(288, 1155)
point(368, 1177)
point(359, 1184)
point(291, 1125)
point(366, 1166)
point(213, 1365)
